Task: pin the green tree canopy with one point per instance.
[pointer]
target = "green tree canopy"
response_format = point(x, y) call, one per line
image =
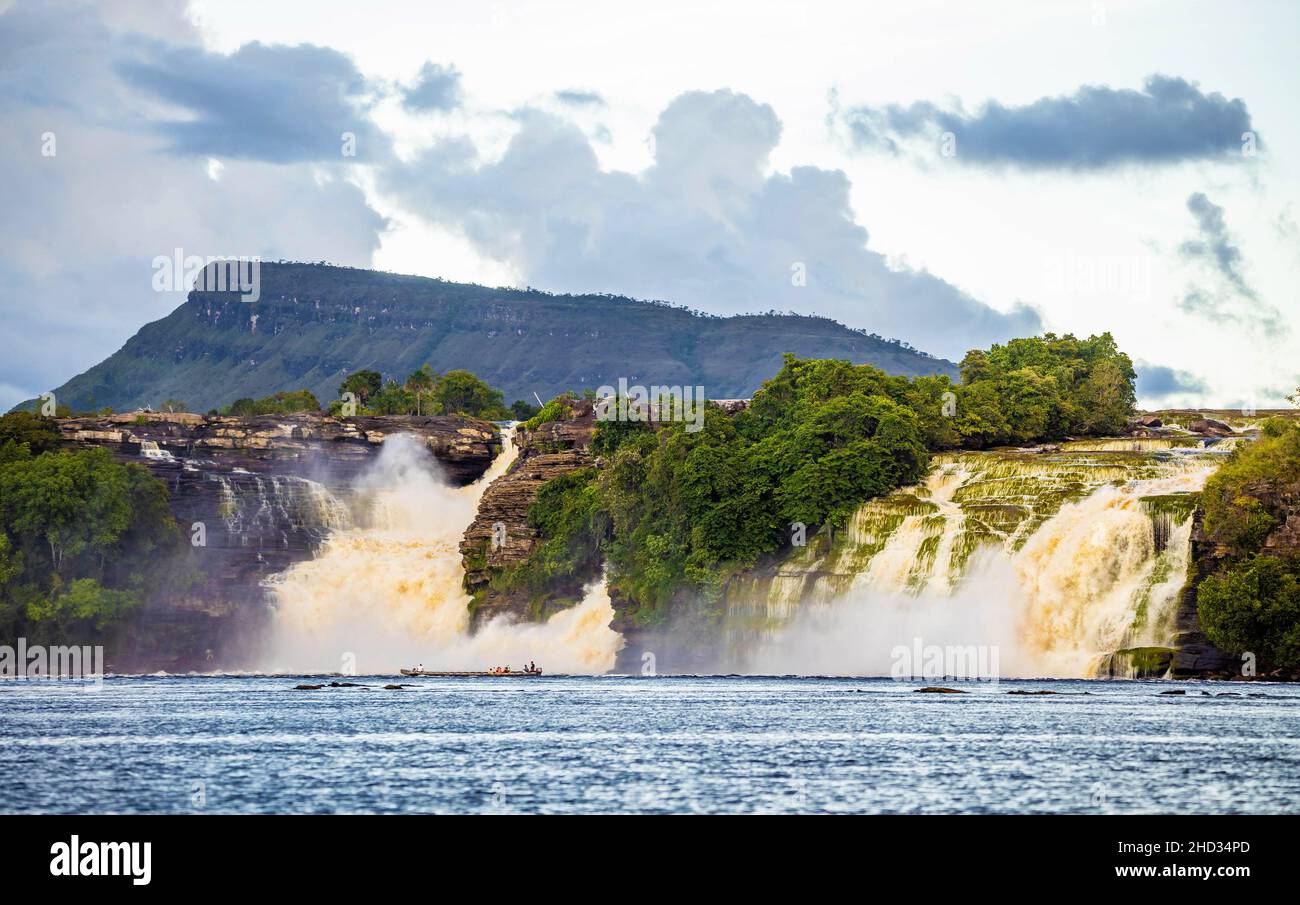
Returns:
point(362, 384)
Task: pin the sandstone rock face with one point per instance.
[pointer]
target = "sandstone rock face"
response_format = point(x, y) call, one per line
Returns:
point(500, 536)
point(255, 495)
point(1195, 656)
point(463, 446)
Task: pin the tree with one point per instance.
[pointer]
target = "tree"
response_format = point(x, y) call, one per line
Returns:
point(462, 392)
point(421, 383)
point(85, 603)
point(174, 405)
point(392, 399)
point(362, 384)
point(37, 433)
point(282, 403)
point(71, 508)
point(82, 539)
point(1044, 388)
point(1254, 607)
point(522, 411)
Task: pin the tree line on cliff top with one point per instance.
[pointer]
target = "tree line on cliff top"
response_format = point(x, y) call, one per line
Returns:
point(424, 392)
point(673, 509)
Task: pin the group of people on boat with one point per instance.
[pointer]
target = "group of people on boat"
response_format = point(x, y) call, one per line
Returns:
point(506, 670)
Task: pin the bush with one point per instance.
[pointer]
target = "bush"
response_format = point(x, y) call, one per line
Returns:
point(558, 409)
point(1247, 497)
point(1255, 607)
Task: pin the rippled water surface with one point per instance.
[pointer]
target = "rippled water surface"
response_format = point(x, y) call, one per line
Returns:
point(726, 744)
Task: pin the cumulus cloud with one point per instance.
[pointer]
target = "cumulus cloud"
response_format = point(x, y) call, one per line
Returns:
point(436, 88)
point(706, 224)
point(85, 224)
point(1226, 297)
point(274, 103)
point(1156, 382)
point(1168, 121)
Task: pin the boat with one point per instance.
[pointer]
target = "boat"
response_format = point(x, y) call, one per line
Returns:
point(430, 673)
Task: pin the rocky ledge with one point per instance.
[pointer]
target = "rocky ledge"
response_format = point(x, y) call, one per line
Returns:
point(463, 446)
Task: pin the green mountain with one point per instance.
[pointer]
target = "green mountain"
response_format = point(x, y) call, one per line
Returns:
point(315, 323)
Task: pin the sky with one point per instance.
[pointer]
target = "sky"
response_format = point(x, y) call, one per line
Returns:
point(948, 174)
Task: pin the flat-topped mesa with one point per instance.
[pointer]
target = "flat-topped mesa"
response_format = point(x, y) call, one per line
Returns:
point(463, 446)
point(546, 452)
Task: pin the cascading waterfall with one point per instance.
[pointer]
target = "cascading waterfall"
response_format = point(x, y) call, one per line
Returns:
point(253, 506)
point(1052, 559)
point(385, 590)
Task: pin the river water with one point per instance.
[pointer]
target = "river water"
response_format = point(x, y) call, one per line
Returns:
point(666, 744)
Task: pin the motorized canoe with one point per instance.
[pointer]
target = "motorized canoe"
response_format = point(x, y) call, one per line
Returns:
point(514, 673)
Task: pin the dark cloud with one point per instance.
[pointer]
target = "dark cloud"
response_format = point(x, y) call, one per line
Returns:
point(1159, 381)
point(1226, 298)
point(575, 98)
point(1170, 120)
point(273, 103)
point(705, 225)
point(1213, 245)
point(436, 88)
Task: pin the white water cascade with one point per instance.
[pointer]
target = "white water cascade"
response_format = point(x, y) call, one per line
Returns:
point(384, 591)
point(1050, 561)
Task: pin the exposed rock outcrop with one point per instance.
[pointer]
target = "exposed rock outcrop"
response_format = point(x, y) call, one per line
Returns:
point(1194, 655)
point(463, 446)
point(500, 536)
point(1210, 428)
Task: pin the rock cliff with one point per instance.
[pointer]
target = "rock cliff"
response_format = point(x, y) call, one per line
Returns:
point(500, 536)
point(464, 447)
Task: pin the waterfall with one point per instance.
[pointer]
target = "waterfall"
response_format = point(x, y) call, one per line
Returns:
point(1052, 559)
point(256, 509)
point(385, 590)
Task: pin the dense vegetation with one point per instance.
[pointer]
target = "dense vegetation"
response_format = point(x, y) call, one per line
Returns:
point(1043, 388)
point(1253, 603)
point(426, 392)
point(673, 509)
point(286, 403)
point(80, 535)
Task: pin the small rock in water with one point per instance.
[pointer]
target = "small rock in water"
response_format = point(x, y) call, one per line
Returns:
point(308, 687)
point(396, 687)
point(1174, 691)
point(1033, 692)
point(936, 689)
